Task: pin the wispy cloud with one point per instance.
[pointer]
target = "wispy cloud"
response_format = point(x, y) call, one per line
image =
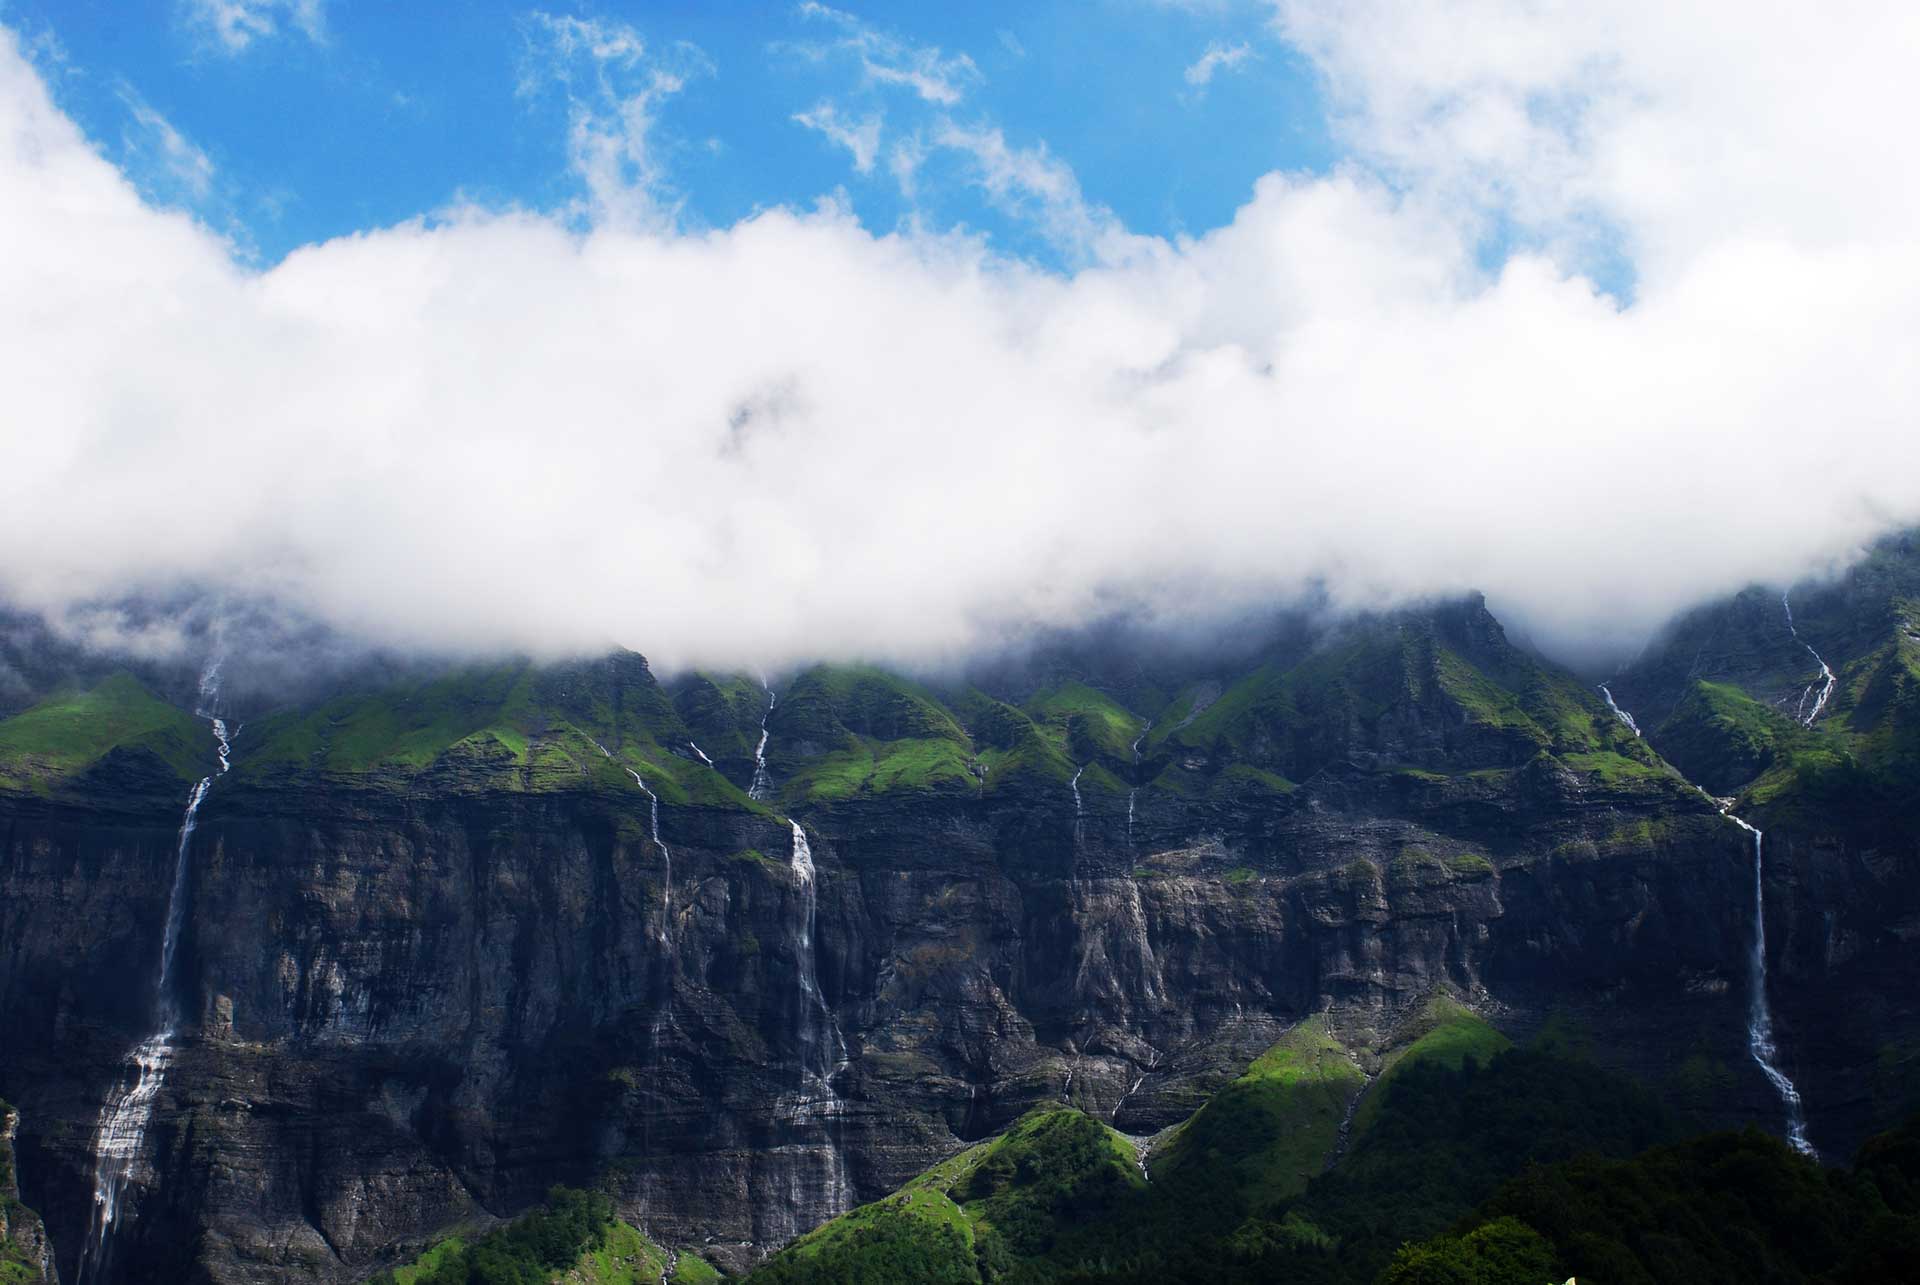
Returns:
point(613, 88)
point(888, 60)
point(233, 25)
point(1033, 184)
point(861, 137)
point(175, 166)
point(1216, 59)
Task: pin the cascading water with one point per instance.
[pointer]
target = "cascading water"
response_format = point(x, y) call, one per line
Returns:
point(1826, 675)
point(1133, 790)
point(1619, 713)
point(823, 1053)
point(699, 753)
point(1759, 1009)
point(666, 857)
point(128, 1110)
point(762, 784)
point(663, 1010)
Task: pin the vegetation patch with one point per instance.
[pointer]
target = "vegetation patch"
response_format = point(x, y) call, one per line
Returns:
point(67, 733)
point(574, 1232)
point(1271, 1130)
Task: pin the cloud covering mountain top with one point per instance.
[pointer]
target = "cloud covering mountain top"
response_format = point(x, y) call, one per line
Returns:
point(795, 437)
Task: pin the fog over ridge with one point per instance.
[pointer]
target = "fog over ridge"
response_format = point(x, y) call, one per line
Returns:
point(795, 438)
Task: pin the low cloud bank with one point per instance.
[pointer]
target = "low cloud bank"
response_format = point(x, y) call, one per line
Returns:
point(793, 438)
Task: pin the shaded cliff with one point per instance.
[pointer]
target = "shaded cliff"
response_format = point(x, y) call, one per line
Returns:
point(453, 941)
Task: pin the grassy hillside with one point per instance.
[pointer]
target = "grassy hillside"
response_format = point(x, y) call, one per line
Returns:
point(1438, 689)
point(1242, 1191)
point(1271, 1131)
point(573, 1239)
point(996, 1211)
point(510, 726)
point(844, 731)
point(63, 736)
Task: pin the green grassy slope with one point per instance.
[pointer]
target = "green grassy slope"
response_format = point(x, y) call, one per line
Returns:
point(1239, 1193)
point(573, 1239)
point(1270, 1131)
point(511, 726)
point(1438, 689)
point(995, 1211)
point(844, 731)
point(61, 737)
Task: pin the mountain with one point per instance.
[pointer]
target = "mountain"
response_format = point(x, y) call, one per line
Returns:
point(742, 955)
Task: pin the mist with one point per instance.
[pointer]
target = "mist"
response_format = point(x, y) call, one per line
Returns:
point(1600, 334)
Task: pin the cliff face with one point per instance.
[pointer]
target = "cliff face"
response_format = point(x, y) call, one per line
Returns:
point(26, 1255)
point(414, 1001)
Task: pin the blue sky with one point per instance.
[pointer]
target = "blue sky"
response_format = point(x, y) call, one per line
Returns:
point(283, 122)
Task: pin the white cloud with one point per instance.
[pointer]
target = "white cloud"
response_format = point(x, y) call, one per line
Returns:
point(860, 137)
point(180, 167)
point(1217, 58)
point(1033, 184)
point(886, 59)
point(793, 438)
point(613, 89)
point(236, 24)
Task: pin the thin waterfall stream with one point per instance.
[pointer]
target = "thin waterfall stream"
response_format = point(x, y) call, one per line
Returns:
point(128, 1110)
point(1133, 790)
point(762, 784)
point(1760, 1042)
point(1826, 674)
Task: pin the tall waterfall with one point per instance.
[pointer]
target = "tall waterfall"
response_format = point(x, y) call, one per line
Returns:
point(762, 784)
point(1827, 679)
point(665, 934)
point(1760, 1010)
point(1619, 713)
point(663, 1010)
point(124, 1116)
point(1134, 789)
point(823, 1052)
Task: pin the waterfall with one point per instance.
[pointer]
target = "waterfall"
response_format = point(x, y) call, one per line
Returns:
point(1759, 1010)
point(124, 1116)
point(1828, 680)
point(1074, 785)
point(762, 784)
point(1134, 789)
point(663, 1011)
point(1619, 713)
point(823, 1051)
point(666, 857)
point(699, 753)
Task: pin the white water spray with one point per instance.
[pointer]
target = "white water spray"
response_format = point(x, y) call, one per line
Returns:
point(1826, 675)
point(1759, 1011)
point(700, 753)
point(823, 1051)
point(1074, 785)
point(124, 1117)
point(762, 784)
point(1619, 713)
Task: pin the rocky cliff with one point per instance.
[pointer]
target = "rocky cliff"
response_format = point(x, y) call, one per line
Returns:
point(444, 946)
